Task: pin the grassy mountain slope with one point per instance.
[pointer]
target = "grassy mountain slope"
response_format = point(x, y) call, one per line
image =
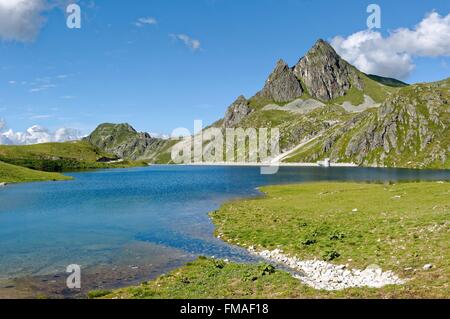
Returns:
point(387, 81)
point(410, 129)
point(374, 87)
point(296, 127)
point(16, 174)
point(57, 157)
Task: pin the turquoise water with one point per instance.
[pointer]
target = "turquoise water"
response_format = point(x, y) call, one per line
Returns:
point(145, 217)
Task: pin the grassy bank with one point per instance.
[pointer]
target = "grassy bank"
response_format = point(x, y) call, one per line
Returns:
point(209, 278)
point(61, 157)
point(399, 227)
point(43, 162)
point(16, 174)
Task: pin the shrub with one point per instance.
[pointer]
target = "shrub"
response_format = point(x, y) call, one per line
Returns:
point(308, 241)
point(266, 269)
point(219, 264)
point(330, 255)
point(337, 235)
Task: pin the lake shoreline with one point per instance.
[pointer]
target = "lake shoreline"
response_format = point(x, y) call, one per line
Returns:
point(373, 276)
point(226, 175)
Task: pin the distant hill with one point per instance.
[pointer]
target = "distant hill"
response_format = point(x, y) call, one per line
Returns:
point(124, 141)
point(387, 81)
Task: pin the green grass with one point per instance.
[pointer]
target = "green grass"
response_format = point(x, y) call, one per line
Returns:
point(354, 96)
point(59, 157)
point(378, 88)
point(15, 174)
point(400, 227)
point(95, 294)
point(165, 154)
point(215, 279)
point(394, 232)
point(80, 150)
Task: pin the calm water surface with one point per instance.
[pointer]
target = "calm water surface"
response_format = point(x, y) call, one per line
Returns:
point(140, 221)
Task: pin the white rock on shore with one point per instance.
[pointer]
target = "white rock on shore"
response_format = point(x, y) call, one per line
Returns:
point(325, 276)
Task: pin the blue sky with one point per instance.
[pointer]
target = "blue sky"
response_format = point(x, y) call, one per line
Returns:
point(112, 70)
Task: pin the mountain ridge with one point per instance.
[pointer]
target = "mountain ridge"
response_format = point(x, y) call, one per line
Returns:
point(325, 98)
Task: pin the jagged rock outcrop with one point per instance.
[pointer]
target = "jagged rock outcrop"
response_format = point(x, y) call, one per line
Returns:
point(236, 112)
point(125, 142)
point(321, 72)
point(325, 74)
point(282, 85)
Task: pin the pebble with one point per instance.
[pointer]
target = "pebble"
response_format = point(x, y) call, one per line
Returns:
point(321, 275)
point(427, 267)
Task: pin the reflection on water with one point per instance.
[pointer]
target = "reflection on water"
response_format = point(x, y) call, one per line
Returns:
point(142, 221)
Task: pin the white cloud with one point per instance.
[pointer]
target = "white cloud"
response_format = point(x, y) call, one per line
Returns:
point(191, 43)
point(63, 76)
point(146, 21)
point(36, 135)
point(392, 56)
point(21, 20)
point(67, 134)
point(43, 87)
point(41, 117)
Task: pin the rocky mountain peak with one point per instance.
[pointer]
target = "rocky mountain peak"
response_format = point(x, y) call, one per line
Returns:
point(322, 46)
point(280, 68)
point(325, 74)
point(282, 85)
